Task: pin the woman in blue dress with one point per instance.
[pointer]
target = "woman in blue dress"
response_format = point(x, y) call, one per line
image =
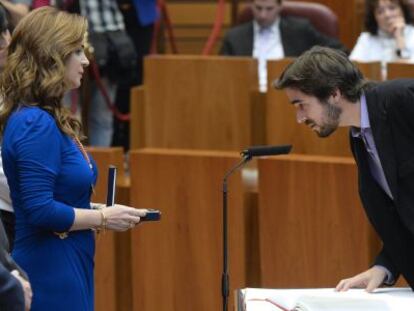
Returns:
point(49, 174)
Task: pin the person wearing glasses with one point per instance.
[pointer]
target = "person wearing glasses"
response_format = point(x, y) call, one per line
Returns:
point(389, 33)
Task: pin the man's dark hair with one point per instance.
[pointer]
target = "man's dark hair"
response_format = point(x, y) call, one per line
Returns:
point(370, 21)
point(320, 71)
point(3, 19)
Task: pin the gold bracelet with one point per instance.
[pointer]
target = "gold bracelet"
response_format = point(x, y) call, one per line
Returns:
point(104, 220)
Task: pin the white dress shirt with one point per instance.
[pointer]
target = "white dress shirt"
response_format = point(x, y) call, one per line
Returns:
point(382, 47)
point(267, 44)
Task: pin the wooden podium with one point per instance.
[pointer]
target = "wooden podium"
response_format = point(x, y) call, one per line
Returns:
point(176, 262)
point(313, 230)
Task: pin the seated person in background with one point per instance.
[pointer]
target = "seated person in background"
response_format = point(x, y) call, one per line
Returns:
point(271, 36)
point(389, 36)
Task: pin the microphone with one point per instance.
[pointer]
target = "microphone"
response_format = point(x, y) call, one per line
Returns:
point(247, 155)
point(259, 151)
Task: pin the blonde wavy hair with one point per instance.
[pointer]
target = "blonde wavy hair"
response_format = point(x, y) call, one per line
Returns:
point(34, 74)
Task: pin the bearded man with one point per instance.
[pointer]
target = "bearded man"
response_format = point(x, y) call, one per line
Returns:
point(328, 91)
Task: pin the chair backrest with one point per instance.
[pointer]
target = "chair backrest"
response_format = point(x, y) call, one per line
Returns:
point(321, 17)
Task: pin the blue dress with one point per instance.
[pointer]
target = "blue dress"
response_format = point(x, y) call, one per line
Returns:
point(48, 176)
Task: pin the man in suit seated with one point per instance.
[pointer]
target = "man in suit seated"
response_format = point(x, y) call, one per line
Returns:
point(271, 36)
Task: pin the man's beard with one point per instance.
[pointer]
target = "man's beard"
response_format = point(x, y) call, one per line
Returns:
point(331, 117)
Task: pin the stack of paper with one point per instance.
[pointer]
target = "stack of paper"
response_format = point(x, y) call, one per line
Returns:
point(386, 299)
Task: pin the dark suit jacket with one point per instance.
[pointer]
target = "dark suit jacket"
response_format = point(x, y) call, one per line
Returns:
point(5, 257)
point(297, 35)
point(11, 292)
point(391, 113)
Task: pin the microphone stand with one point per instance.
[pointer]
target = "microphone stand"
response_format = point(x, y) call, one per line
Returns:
point(225, 276)
point(247, 155)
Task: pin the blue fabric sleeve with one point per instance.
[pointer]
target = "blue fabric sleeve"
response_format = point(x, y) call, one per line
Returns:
point(38, 159)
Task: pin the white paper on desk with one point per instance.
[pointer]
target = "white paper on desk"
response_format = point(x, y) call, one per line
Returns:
point(312, 303)
point(387, 299)
point(255, 299)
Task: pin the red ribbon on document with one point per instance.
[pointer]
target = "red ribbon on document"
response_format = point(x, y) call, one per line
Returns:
point(272, 302)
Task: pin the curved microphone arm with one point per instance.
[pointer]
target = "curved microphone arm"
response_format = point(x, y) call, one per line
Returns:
point(225, 276)
point(242, 162)
point(247, 155)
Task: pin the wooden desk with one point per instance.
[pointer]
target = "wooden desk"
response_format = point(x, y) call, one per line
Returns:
point(195, 102)
point(398, 70)
point(370, 70)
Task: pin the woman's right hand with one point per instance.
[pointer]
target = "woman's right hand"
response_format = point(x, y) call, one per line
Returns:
point(396, 27)
point(121, 218)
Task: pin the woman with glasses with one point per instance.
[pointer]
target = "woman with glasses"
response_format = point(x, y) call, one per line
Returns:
point(389, 35)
